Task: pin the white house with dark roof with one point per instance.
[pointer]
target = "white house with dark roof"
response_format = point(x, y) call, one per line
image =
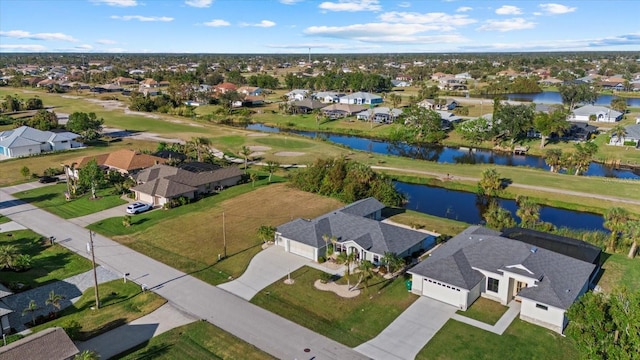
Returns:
point(361, 98)
point(297, 94)
point(357, 229)
point(25, 141)
point(631, 134)
point(480, 262)
point(601, 114)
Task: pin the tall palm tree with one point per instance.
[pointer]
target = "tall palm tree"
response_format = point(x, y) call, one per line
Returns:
point(619, 132)
point(54, 300)
point(266, 233)
point(31, 308)
point(366, 272)
point(552, 159)
point(198, 145)
point(615, 219)
point(253, 177)
point(8, 255)
point(245, 152)
point(528, 212)
point(272, 166)
point(498, 218)
point(490, 183)
point(326, 238)
point(632, 232)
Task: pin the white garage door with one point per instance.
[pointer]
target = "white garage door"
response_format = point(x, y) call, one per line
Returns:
point(146, 198)
point(443, 293)
point(301, 249)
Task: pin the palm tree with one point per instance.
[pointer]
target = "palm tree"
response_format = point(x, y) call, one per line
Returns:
point(8, 254)
point(272, 166)
point(198, 145)
point(366, 272)
point(528, 212)
point(326, 238)
point(54, 300)
point(498, 218)
point(632, 232)
point(552, 159)
point(126, 221)
point(619, 132)
point(266, 233)
point(253, 177)
point(389, 259)
point(615, 219)
point(87, 355)
point(490, 183)
point(31, 308)
point(245, 152)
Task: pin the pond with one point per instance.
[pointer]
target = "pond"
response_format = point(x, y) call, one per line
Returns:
point(463, 206)
point(444, 154)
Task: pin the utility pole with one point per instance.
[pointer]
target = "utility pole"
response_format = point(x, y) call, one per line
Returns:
point(224, 239)
point(95, 275)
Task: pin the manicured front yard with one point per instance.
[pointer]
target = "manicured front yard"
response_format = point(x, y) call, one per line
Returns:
point(619, 270)
point(120, 303)
point(521, 341)
point(485, 310)
point(350, 321)
point(52, 199)
point(190, 237)
point(49, 263)
point(198, 340)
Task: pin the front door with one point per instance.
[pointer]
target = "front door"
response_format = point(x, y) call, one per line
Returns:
point(519, 286)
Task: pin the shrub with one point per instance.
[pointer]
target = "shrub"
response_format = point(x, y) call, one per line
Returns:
point(72, 328)
point(321, 259)
point(629, 143)
point(23, 262)
point(52, 172)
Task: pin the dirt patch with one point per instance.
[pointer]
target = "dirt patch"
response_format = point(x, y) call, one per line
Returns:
point(340, 290)
point(258, 148)
point(108, 104)
point(70, 97)
point(289, 153)
point(257, 153)
point(257, 134)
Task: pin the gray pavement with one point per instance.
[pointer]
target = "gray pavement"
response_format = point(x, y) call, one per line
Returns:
point(11, 226)
point(267, 331)
point(410, 331)
point(71, 288)
point(136, 332)
point(116, 211)
point(500, 326)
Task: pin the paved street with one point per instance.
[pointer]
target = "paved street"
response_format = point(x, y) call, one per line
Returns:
point(269, 332)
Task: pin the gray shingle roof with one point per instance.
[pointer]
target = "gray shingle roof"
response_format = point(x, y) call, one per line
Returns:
point(168, 181)
point(24, 136)
point(560, 278)
point(595, 109)
point(363, 207)
point(48, 344)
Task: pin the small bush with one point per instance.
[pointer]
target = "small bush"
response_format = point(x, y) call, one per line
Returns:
point(322, 259)
point(325, 277)
point(72, 328)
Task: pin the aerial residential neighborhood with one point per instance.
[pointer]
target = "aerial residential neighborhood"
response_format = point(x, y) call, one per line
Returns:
point(349, 179)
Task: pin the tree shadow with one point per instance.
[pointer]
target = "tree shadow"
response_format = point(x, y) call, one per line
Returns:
point(505, 182)
point(39, 198)
point(153, 352)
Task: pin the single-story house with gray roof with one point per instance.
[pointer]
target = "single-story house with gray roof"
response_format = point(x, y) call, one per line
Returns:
point(481, 262)
point(361, 98)
point(381, 114)
point(632, 134)
point(26, 141)
point(600, 113)
point(357, 229)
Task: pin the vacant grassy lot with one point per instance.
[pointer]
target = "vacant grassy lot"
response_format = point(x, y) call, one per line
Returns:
point(485, 310)
point(618, 270)
point(521, 341)
point(120, 303)
point(52, 199)
point(349, 321)
point(429, 222)
point(49, 263)
point(190, 237)
point(198, 340)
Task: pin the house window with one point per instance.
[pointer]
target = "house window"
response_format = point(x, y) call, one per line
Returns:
point(492, 284)
point(543, 307)
point(376, 259)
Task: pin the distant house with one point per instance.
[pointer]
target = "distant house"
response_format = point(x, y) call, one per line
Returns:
point(357, 229)
point(127, 162)
point(160, 183)
point(297, 94)
point(336, 111)
point(248, 101)
point(545, 273)
point(463, 76)
point(383, 115)
point(631, 135)
point(400, 83)
point(250, 90)
point(225, 87)
point(107, 88)
point(361, 98)
point(149, 83)
point(25, 141)
point(122, 81)
point(600, 113)
point(438, 104)
point(328, 96)
point(48, 344)
point(306, 105)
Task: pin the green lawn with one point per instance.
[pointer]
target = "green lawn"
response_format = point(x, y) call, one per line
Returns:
point(198, 340)
point(349, 321)
point(286, 143)
point(485, 310)
point(49, 263)
point(52, 199)
point(522, 340)
point(3, 220)
point(618, 270)
point(428, 222)
point(120, 303)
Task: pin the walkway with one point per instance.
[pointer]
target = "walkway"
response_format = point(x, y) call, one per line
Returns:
point(277, 336)
point(500, 326)
point(410, 332)
point(11, 226)
point(71, 288)
point(137, 332)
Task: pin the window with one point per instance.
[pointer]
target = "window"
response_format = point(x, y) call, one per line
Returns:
point(376, 259)
point(543, 307)
point(492, 284)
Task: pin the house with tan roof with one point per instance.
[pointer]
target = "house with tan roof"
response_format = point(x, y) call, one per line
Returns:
point(127, 162)
point(225, 87)
point(121, 80)
point(149, 83)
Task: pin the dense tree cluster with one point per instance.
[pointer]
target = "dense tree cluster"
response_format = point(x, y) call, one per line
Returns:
point(346, 180)
point(421, 125)
point(339, 81)
point(89, 126)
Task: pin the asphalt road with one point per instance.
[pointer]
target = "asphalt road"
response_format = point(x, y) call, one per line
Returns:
point(269, 332)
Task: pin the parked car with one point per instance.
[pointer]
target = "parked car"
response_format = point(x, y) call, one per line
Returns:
point(138, 207)
point(48, 179)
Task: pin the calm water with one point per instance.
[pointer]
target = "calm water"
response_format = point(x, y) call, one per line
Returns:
point(446, 154)
point(553, 97)
point(462, 206)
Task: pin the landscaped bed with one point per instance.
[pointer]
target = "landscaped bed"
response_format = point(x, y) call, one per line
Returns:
point(199, 340)
point(48, 263)
point(52, 199)
point(485, 310)
point(350, 321)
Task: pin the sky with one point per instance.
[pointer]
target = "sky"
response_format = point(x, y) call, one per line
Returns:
point(333, 26)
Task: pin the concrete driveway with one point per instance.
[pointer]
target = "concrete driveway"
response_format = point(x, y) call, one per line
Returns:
point(116, 211)
point(409, 332)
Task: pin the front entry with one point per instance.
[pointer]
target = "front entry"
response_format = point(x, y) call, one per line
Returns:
point(519, 285)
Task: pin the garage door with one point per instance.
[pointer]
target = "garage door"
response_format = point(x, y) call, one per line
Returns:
point(146, 198)
point(442, 293)
point(301, 249)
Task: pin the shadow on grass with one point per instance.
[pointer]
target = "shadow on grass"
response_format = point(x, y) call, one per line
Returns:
point(86, 335)
point(39, 198)
point(153, 352)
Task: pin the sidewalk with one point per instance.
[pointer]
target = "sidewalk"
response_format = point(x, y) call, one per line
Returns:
point(117, 211)
point(501, 325)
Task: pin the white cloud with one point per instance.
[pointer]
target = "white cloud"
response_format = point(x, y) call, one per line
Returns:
point(217, 23)
point(119, 3)
point(106, 42)
point(351, 5)
point(330, 46)
point(22, 47)
point(555, 45)
point(290, 2)
point(142, 18)
point(444, 21)
point(21, 34)
point(383, 32)
point(263, 23)
point(555, 9)
point(508, 10)
point(507, 25)
point(404, 4)
point(84, 47)
point(464, 9)
point(198, 3)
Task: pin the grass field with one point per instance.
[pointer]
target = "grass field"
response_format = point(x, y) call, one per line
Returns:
point(49, 263)
point(429, 222)
point(198, 340)
point(349, 321)
point(198, 227)
point(618, 270)
point(522, 340)
point(120, 303)
point(487, 311)
point(52, 199)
